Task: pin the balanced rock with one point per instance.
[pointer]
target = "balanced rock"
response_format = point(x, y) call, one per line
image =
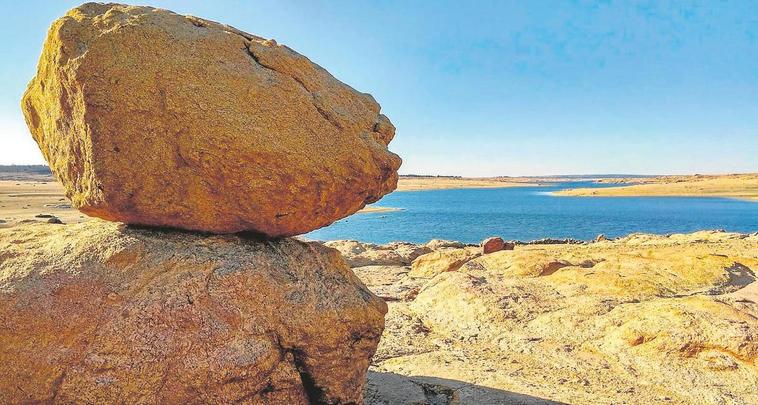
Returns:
point(100, 313)
point(154, 118)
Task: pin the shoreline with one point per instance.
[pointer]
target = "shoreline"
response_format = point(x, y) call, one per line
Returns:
point(566, 193)
point(372, 210)
point(734, 186)
point(405, 184)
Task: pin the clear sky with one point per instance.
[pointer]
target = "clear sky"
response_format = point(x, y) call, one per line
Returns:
point(498, 88)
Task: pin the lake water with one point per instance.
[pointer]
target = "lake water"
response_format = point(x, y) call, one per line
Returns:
point(527, 213)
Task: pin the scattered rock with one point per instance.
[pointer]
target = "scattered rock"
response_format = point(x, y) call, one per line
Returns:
point(44, 216)
point(436, 244)
point(600, 238)
point(54, 220)
point(349, 247)
point(153, 118)
point(581, 324)
point(390, 283)
point(521, 263)
point(550, 241)
point(60, 206)
point(493, 244)
point(408, 252)
point(98, 312)
point(432, 264)
point(358, 254)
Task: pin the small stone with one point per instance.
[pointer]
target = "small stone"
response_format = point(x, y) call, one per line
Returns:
point(493, 244)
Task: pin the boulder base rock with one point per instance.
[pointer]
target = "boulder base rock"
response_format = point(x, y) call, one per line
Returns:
point(154, 118)
point(100, 313)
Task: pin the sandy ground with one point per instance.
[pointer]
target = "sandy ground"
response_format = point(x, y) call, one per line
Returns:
point(28, 200)
point(742, 186)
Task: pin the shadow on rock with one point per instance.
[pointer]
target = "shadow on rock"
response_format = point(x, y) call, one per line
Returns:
point(390, 388)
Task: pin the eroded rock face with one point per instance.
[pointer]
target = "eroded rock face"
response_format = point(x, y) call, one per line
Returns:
point(154, 118)
point(99, 313)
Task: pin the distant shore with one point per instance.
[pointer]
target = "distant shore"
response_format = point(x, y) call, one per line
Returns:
point(739, 186)
point(423, 183)
point(28, 192)
point(372, 209)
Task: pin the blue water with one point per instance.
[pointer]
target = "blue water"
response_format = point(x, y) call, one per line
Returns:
point(527, 213)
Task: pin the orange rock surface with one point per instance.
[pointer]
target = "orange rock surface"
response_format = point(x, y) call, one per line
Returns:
point(99, 313)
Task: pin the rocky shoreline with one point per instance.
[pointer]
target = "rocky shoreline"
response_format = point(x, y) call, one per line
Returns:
point(640, 319)
point(742, 186)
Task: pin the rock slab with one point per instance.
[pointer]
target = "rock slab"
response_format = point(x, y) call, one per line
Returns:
point(575, 323)
point(154, 118)
point(100, 313)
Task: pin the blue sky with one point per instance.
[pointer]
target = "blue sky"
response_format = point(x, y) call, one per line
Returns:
point(498, 88)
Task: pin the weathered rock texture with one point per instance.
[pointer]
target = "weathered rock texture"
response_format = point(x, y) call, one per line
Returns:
point(154, 118)
point(99, 313)
point(642, 319)
point(440, 261)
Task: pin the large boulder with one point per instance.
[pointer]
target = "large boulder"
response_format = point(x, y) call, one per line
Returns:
point(99, 313)
point(154, 118)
